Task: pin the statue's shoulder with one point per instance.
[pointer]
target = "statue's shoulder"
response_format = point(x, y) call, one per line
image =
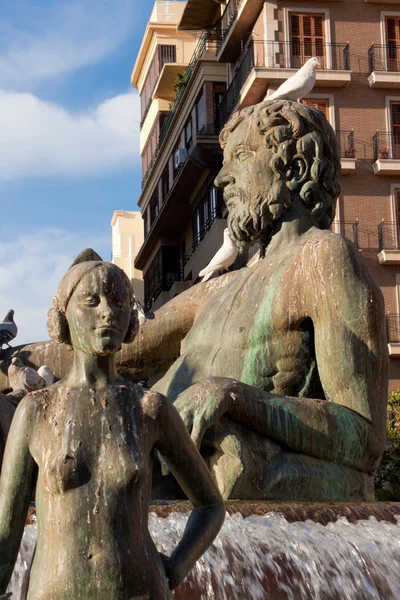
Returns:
point(152, 403)
point(328, 246)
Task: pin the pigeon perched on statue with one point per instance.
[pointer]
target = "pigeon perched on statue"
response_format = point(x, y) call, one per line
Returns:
point(8, 329)
point(25, 378)
point(223, 259)
point(298, 85)
point(46, 374)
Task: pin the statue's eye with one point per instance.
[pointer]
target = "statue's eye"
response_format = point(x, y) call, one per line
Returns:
point(89, 299)
point(242, 153)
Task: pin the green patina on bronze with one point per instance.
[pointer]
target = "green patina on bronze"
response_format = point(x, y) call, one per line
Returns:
point(280, 370)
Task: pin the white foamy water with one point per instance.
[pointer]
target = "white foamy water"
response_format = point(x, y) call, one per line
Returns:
point(261, 558)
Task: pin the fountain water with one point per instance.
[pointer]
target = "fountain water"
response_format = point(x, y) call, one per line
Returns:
point(267, 556)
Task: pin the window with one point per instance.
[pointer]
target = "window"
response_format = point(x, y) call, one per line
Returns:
point(321, 103)
point(306, 39)
point(165, 183)
point(154, 207)
point(393, 43)
point(395, 129)
point(201, 113)
point(205, 213)
point(188, 135)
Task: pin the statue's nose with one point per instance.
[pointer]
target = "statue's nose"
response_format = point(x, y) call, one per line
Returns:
point(223, 179)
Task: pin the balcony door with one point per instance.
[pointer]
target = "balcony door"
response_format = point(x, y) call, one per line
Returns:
point(393, 43)
point(306, 39)
point(395, 130)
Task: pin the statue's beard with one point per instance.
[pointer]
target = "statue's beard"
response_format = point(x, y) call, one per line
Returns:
point(253, 219)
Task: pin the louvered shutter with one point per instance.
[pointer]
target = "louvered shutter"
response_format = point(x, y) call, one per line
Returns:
point(306, 38)
point(393, 43)
point(321, 103)
point(395, 129)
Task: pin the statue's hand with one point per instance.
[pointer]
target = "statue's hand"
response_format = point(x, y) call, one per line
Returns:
point(203, 404)
point(174, 575)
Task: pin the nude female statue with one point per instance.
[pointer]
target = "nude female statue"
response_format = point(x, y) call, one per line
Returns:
point(87, 442)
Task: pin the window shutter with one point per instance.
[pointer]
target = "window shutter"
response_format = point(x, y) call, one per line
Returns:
point(307, 38)
point(321, 103)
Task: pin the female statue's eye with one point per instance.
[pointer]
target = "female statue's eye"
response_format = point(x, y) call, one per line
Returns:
point(89, 299)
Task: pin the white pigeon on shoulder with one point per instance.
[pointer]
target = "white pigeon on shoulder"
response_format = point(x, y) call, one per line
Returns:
point(298, 85)
point(223, 259)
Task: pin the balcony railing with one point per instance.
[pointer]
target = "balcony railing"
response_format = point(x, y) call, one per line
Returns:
point(388, 235)
point(280, 55)
point(384, 58)
point(386, 145)
point(164, 284)
point(206, 42)
point(164, 54)
point(229, 14)
point(393, 329)
point(346, 144)
point(201, 234)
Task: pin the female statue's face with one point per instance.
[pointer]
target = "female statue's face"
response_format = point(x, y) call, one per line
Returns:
point(99, 313)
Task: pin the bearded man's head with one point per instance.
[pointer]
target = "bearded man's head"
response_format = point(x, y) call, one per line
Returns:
point(275, 152)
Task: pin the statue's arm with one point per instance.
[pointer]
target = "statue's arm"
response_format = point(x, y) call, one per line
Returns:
point(350, 337)
point(207, 516)
point(157, 344)
point(15, 489)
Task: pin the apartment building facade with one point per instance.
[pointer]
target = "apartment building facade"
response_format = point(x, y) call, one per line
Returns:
point(127, 239)
point(244, 50)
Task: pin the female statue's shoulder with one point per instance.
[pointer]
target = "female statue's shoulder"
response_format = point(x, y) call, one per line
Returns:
point(153, 403)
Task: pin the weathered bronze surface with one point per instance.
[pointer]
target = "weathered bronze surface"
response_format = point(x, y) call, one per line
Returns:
point(279, 370)
point(87, 442)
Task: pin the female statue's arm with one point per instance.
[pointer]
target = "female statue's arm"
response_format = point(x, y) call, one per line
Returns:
point(15, 489)
point(205, 521)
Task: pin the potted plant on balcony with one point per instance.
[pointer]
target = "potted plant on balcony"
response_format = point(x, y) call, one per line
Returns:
point(350, 152)
point(383, 153)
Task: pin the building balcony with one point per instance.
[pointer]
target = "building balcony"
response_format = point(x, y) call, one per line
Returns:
point(388, 243)
point(238, 16)
point(384, 66)
point(267, 64)
point(174, 212)
point(205, 50)
point(348, 151)
point(393, 334)
point(161, 275)
point(386, 150)
point(204, 245)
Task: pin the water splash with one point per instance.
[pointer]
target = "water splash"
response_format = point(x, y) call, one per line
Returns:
point(263, 557)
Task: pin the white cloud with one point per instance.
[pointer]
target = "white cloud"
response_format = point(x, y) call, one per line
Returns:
point(31, 268)
point(39, 41)
point(40, 138)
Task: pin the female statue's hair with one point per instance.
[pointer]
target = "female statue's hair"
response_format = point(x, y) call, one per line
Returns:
point(57, 323)
point(292, 131)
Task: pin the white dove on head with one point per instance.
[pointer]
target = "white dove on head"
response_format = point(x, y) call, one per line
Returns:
point(298, 85)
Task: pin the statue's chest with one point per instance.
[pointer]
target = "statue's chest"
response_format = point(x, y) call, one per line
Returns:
point(92, 441)
point(253, 306)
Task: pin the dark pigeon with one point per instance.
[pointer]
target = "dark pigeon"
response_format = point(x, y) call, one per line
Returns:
point(8, 329)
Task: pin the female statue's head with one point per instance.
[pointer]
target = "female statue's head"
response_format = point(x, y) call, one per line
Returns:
point(93, 310)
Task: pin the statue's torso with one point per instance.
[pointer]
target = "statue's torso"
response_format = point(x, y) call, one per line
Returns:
point(94, 453)
point(254, 330)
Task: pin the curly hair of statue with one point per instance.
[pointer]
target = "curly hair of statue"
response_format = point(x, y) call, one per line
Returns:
point(294, 132)
point(57, 323)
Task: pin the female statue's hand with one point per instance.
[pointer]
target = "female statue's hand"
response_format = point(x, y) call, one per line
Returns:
point(174, 575)
point(203, 404)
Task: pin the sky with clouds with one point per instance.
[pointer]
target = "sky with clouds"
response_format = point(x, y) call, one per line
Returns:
point(69, 143)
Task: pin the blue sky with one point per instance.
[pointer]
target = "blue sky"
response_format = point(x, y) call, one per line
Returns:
point(69, 143)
